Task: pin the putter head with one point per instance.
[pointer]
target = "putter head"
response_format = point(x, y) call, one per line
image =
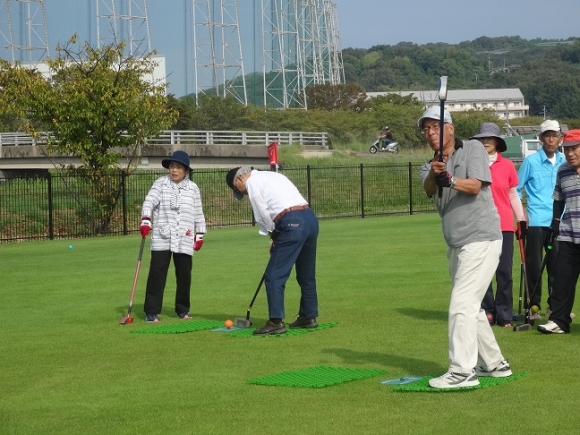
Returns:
point(522, 327)
point(242, 322)
point(442, 92)
point(125, 320)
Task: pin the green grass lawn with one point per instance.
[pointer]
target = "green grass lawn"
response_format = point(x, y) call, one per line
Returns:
point(68, 367)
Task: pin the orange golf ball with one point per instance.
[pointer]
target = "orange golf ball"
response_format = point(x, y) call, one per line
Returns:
point(228, 323)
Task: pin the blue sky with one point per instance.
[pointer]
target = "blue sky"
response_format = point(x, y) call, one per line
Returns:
point(362, 24)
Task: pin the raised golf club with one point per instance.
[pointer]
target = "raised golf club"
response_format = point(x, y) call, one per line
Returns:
point(244, 322)
point(128, 318)
point(442, 97)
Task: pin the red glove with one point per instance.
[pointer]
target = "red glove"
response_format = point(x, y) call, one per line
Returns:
point(145, 226)
point(197, 242)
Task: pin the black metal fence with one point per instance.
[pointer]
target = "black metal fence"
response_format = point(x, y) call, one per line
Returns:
point(60, 206)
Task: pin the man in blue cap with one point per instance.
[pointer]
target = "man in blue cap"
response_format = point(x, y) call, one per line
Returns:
point(282, 213)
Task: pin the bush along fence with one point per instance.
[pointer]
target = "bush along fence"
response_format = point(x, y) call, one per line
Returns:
point(57, 206)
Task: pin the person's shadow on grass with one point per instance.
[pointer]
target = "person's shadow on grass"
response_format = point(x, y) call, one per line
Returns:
point(420, 314)
point(408, 365)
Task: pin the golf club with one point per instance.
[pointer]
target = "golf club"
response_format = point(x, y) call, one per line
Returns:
point(527, 325)
point(442, 98)
point(244, 322)
point(128, 318)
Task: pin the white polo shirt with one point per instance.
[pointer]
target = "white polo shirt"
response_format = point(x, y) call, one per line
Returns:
point(270, 193)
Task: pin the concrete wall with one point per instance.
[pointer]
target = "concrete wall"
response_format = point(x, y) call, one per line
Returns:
point(222, 156)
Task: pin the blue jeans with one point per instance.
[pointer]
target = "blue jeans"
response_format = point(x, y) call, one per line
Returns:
point(295, 244)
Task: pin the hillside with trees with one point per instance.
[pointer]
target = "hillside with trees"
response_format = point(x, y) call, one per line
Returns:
point(547, 72)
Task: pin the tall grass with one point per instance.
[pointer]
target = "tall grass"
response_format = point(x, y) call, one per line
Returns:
point(68, 367)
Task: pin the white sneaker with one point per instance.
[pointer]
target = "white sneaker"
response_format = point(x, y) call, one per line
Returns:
point(454, 380)
point(551, 328)
point(503, 370)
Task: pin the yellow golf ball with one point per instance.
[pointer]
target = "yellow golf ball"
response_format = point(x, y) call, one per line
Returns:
point(535, 309)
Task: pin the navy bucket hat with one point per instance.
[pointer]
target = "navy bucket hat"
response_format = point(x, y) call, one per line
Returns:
point(490, 129)
point(179, 157)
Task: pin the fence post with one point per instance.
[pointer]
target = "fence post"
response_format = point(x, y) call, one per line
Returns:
point(50, 209)
point(124, 201)
point(309, 184)
point(410, 188)
point(362, 192)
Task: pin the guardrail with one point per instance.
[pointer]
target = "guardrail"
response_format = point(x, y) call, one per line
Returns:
point(191, 137)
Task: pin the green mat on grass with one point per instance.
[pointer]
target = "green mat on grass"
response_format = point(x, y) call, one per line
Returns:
point(249, 332)
point(184, 326)
point(422, 385)
point(315, 377)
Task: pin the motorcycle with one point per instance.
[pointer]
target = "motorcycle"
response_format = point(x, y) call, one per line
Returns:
point(393, 147)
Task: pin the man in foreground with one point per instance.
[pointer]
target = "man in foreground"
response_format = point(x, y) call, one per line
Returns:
point(282, 213)
point(472, 232)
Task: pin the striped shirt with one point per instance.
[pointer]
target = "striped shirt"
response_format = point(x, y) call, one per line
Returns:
point(568, 189)
point(174, 228)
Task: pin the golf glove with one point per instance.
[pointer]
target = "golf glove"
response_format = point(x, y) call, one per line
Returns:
point(273, 234)
point(443, 179)
point(555, 227)
point(521, 230)
point(145, 226)
point(197, 242)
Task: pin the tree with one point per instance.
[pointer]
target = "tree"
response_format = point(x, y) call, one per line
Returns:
point(97, 105)
point(335, 97)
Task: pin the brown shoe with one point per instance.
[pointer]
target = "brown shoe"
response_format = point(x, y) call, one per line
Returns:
point(270, 328)
point(303, 322)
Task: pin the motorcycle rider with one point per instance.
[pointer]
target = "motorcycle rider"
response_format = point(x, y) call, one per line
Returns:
point(387, 137)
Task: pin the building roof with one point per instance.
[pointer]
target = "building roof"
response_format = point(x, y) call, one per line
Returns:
point(488, 95)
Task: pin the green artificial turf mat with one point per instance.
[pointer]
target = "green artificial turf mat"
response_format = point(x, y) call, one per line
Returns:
point(177, 328)
point(249, 332)
point(423, 384)
point(315, 377)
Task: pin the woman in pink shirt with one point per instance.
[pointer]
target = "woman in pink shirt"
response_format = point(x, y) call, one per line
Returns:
point(504, 178)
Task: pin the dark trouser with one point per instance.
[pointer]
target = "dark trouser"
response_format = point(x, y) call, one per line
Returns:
point(564, 290)
point(158, 276)
point(502, 306)
point(295, 244)
point(537, 241)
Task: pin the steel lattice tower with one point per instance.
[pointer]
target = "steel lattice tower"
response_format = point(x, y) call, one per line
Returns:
point(308, 33)
point(124, 20)
point(218, 59)
point(23, 31)
point(336, 66)
point(282, 55)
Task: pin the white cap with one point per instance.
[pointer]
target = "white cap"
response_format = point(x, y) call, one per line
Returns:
point(434, 112)
point(549, 125)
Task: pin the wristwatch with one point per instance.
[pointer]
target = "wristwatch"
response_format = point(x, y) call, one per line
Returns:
point(452, 182)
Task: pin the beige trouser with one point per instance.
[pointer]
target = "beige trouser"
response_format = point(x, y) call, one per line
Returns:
point(470, 336)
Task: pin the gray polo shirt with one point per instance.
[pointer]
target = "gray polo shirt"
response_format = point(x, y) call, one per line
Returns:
point(467, 218)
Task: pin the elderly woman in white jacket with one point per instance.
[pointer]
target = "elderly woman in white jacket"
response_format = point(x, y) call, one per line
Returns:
point(174, 205)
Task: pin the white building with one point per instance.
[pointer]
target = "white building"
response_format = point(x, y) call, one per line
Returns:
point(505, 103)
point(157, 77)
